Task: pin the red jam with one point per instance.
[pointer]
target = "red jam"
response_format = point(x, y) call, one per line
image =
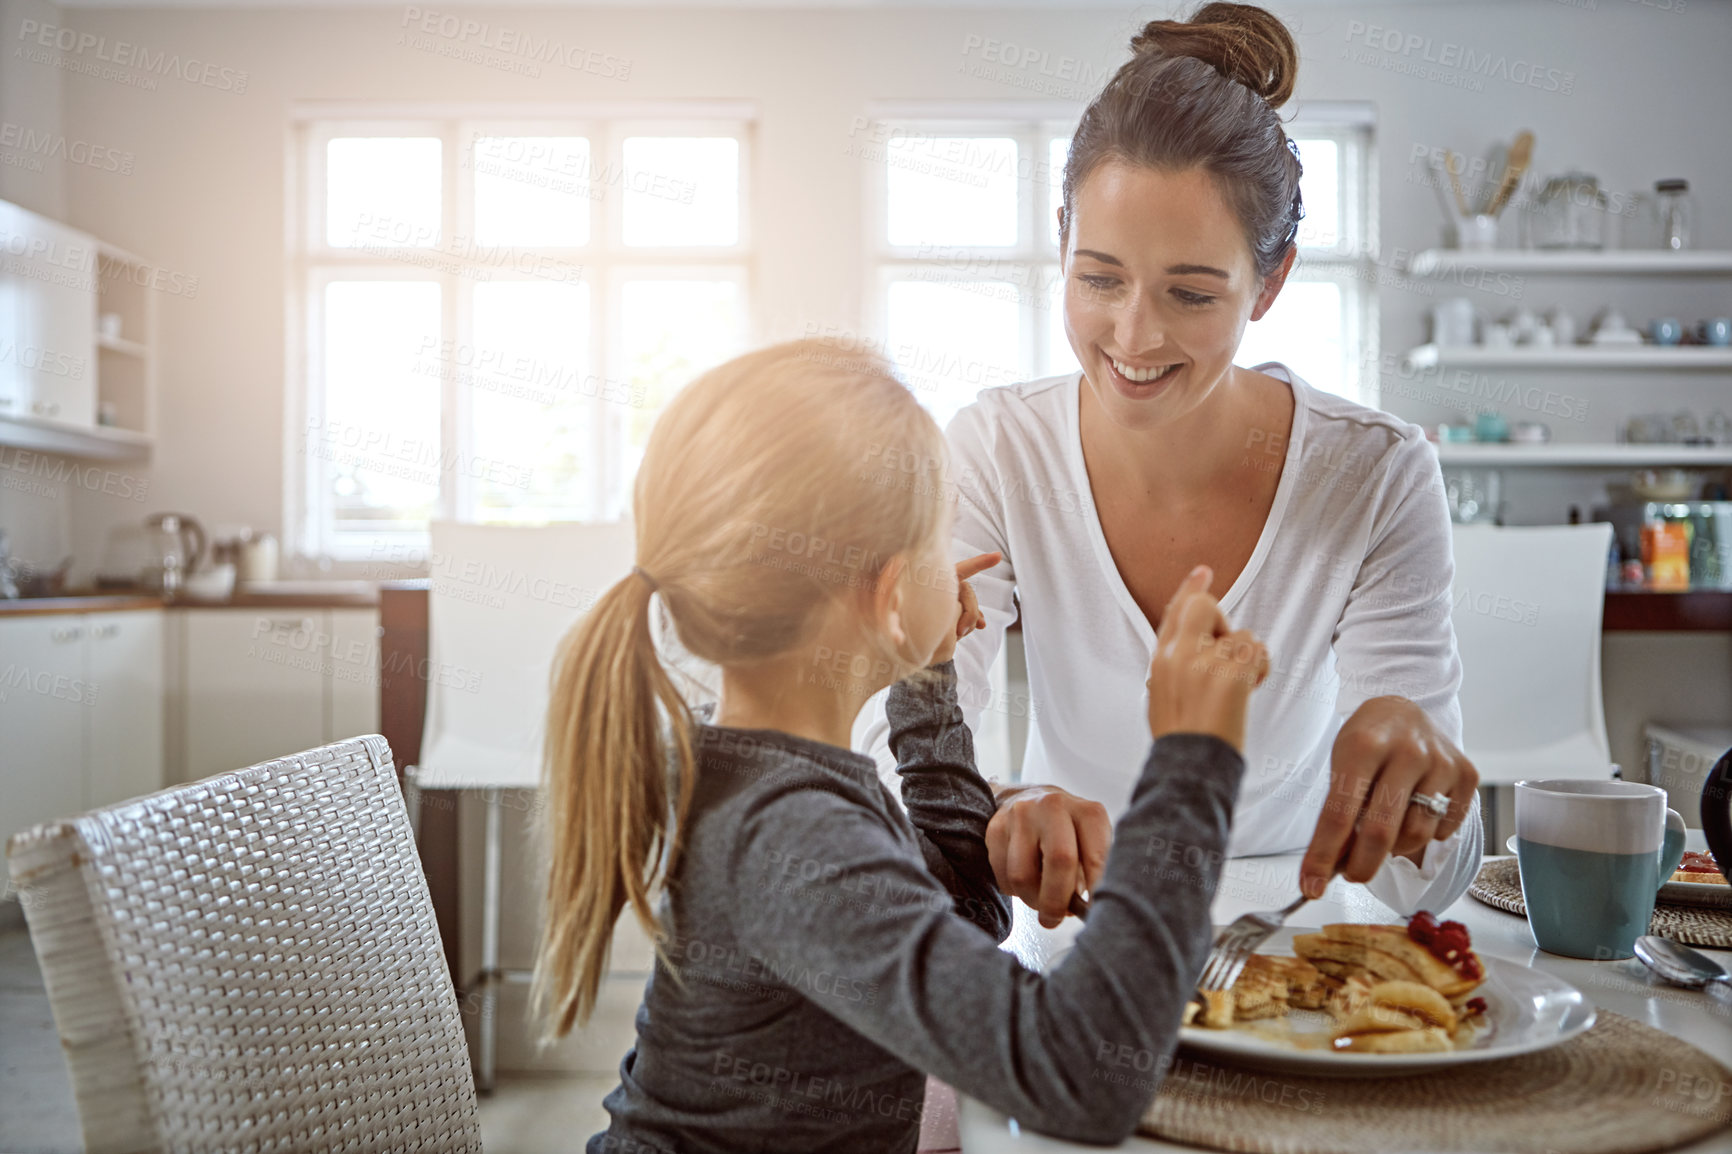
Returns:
point(1475, 1006)
point(1448, 943)
point(1698, 862)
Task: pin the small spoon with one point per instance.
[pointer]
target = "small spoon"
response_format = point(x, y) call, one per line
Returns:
point(1680, 965)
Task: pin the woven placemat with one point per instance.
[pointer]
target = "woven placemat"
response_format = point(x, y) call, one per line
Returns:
point(1619, 1088)
point(1499, 884)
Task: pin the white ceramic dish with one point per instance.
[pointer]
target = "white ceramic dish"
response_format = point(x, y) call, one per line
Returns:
point(1526, 1010)
point(1700, 895)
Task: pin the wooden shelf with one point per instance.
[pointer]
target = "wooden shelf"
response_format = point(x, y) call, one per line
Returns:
point(1442, 262)
point(123, 346)
point(1683, 358)
point(97, 442)
point(1700, 610)
point(1583, 455)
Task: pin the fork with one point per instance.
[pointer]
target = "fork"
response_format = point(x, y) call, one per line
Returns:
point(1235, 945)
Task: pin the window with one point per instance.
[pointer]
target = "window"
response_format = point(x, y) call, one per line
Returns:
point(491, 313)
point(967, 287)
point(1324, 324)
point(966, 252)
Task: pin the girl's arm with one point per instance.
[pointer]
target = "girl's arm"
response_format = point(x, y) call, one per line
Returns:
point(946, 799)
point(1077, 1051)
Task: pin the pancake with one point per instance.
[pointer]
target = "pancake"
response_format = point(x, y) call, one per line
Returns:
point(1423, 966)
point(1372, 1018)
point(1416, 1000)
point(1369, 959)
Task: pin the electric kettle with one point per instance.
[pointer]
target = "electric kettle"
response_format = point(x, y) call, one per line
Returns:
point(175, 544)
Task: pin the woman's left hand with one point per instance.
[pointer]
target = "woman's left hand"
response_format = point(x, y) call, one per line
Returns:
point(1386, 753)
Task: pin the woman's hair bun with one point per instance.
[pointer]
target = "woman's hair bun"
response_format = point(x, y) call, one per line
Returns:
point(1241, 41)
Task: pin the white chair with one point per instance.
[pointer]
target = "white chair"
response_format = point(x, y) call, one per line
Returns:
point(251, 961)
point(1528, 608)
point(502, 597)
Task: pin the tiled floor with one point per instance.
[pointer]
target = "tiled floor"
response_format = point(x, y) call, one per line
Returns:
point(525, 1115)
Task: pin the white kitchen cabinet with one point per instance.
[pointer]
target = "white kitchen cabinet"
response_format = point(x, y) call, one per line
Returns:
point(354, 680)
point(48, 294)
point(257, 684)
point(124, 666)
point(81, 713)
point(43, 707)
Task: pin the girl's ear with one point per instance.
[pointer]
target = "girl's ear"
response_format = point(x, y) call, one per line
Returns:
point(1272, 285)
point(886, 602)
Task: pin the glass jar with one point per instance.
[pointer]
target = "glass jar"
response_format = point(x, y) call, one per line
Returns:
point(1570, 212)
point(1672, 205)
point(1475, 496)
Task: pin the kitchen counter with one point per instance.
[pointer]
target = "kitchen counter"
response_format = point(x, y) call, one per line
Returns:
point(275, 595)
point(77, 603)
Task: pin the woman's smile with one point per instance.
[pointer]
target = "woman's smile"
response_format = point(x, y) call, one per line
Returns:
point(1140, 382)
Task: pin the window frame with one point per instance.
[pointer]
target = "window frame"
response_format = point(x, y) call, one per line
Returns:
point(1024, 264)
point(1352, 261)
point(312, 263)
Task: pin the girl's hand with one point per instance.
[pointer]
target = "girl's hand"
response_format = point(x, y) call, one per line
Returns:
point(1203, 671)
point(968, 615)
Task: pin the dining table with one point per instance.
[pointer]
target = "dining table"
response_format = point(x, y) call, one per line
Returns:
point(1703, 1017)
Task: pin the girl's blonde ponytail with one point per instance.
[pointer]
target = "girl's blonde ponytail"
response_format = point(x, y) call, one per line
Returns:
point(771, 486)
point(606, 787)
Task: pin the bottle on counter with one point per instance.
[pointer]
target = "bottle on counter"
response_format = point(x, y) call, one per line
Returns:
point(1666, 555)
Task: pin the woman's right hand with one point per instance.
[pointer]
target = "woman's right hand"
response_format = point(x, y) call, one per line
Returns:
point(1203, 670)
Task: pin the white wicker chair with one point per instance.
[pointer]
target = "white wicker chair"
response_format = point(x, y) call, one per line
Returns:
point(250, 963)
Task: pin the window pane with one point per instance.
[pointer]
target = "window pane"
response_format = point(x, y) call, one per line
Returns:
point(1060, 358)
point(951, 190)
point(1306, 331)
point(382, 191)
point(531, 406)
point(1058, 149)
point(531, 190)
point(1320, 189)
point(681, 190)
point(673, 330)
point(379, 439)
point(950, 341)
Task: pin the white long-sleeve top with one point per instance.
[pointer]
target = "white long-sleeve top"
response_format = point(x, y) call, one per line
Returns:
point(1348, 587)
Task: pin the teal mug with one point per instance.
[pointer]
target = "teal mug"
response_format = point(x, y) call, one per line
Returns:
point(1593, 855)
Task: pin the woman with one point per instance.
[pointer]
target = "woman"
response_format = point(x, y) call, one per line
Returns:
point(1323, 521)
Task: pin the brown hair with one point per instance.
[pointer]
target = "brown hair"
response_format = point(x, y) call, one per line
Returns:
point(770, 486)
point(1203, 93)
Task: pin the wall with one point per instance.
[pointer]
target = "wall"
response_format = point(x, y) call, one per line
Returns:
point(36, 516)
point(206, 196)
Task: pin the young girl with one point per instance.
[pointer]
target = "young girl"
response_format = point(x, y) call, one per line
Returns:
point(819, 950)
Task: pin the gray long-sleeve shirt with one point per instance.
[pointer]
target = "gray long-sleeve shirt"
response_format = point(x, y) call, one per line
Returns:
point(823, 968)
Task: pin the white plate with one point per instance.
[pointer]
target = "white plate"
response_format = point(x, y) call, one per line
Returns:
point(1526, 1010)
point(1703, 895)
